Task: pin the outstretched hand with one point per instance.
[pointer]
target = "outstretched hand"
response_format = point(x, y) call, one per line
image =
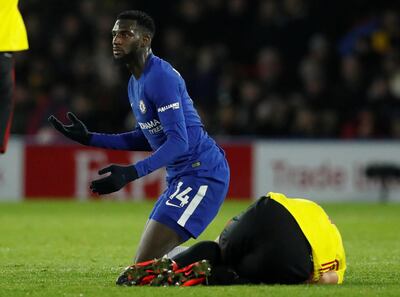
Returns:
point(76, 131)
point(119, 177)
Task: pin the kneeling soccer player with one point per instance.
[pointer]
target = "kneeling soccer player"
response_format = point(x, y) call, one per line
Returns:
point(277, 240)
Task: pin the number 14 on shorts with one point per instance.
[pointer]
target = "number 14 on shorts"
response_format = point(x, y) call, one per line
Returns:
point(182, 195)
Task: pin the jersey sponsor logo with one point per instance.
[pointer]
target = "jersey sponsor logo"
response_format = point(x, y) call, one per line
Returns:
point(142, 106)
point(174, 105)
point(152, 126)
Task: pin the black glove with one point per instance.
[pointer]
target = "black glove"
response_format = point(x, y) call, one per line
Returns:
point(77, 131)
point(119, 177)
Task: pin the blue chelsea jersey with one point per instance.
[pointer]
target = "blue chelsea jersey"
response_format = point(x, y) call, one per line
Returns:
point(164, 111)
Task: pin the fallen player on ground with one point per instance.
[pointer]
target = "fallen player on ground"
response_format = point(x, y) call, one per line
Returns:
point(277, 240)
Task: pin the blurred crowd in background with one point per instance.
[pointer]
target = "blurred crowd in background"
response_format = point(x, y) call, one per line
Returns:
point(267, 68)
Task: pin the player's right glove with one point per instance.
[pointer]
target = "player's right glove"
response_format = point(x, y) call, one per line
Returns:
point(77, 131)
point(119, 176)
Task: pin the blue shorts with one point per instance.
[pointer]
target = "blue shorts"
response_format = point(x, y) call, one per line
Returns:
point(191, 202)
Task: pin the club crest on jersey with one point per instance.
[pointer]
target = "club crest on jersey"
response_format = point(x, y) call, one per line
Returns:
point(142, 107)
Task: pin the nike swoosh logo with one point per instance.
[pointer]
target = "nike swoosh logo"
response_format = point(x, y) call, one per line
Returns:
point(171, 204)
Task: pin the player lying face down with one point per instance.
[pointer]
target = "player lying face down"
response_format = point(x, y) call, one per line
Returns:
point(277, 240)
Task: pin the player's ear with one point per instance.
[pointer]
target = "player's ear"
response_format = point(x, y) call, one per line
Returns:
point(146, 40)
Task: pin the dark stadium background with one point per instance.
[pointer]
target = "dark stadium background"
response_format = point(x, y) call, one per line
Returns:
point(268, 69)
point(302, 95)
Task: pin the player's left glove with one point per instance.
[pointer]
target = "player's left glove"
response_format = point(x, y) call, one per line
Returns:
point(119, 177)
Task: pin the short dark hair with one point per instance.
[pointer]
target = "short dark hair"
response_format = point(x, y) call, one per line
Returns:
point(142, 18)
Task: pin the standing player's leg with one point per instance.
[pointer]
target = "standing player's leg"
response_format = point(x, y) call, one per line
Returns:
point(157, 240)
point(183, 211)
point(6, 93)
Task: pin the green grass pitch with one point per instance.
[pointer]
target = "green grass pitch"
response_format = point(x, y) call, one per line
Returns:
point(78, 249)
